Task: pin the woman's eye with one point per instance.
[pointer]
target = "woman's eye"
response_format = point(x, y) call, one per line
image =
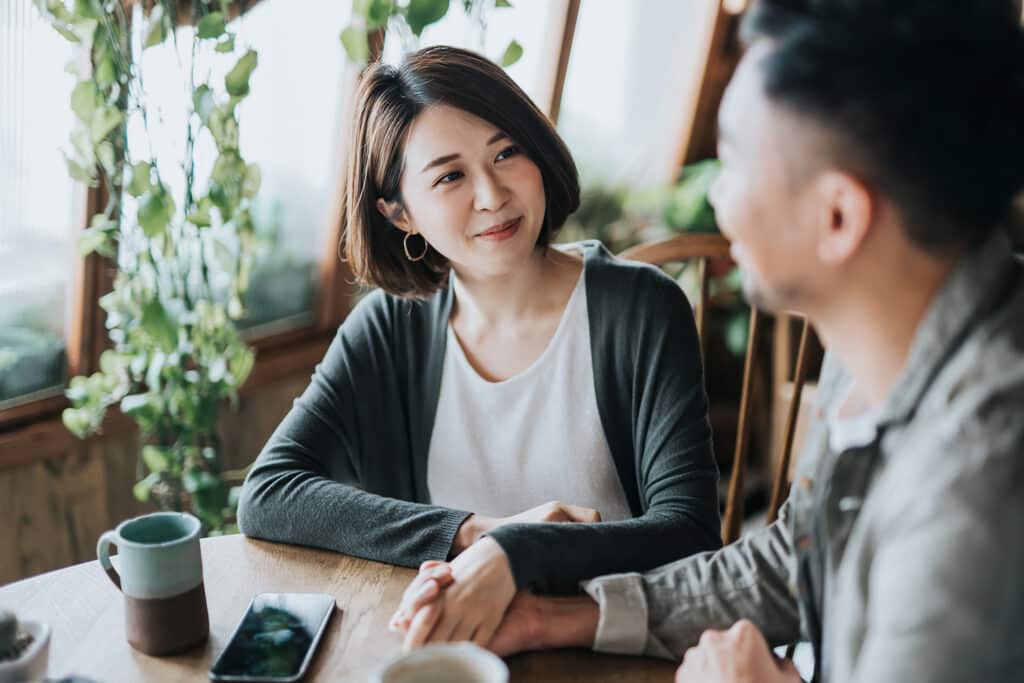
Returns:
point(512, 150)
point(450, 178)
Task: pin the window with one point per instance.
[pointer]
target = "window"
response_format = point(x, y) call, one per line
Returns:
point(41, 208)
point(535, 24)
point(291, 126)
point(633, 62)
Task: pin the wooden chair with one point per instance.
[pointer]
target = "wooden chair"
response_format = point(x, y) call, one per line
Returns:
point(702, 248)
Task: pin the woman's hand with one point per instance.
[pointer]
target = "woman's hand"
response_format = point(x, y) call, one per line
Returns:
point(475, 526)
point(469, 608)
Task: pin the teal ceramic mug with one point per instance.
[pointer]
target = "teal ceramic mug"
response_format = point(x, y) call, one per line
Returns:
point(160, 572)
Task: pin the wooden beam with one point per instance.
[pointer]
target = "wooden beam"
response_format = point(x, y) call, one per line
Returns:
point(723, 55)
point(572, 11)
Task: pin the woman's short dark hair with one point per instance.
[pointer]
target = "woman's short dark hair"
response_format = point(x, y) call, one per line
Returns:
point(388, 101)
point(926, 98)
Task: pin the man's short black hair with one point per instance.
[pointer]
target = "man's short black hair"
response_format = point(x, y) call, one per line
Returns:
point(926, 96)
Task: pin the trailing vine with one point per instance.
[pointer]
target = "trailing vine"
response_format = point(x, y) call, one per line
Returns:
point(183, 261)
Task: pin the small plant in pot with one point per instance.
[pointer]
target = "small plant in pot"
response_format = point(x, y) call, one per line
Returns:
point(24, 648)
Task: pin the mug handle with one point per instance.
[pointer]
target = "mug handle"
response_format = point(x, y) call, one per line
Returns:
point(108, 539)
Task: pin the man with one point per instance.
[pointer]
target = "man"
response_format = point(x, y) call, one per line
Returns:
point(871, 152)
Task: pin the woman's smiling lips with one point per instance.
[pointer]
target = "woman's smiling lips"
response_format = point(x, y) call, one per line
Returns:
point(502, 231)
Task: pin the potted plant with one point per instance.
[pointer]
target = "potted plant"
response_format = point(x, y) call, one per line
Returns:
point(183, 259)
point(24, 649)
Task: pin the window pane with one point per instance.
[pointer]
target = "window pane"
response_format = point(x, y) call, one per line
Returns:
point(535, 24)
point(290, 125)
point(40, 206)
point(631, 87)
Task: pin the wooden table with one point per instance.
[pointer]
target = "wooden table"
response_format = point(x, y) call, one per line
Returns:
point(86, 614)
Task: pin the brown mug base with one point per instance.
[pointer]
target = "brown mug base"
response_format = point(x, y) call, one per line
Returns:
point(167, 626)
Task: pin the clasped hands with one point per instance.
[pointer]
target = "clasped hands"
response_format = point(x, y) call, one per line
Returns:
point(474, 598)
point(468, 597)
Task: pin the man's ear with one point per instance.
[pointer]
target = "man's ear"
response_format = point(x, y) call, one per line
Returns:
point(847, 212)
point(395, 213)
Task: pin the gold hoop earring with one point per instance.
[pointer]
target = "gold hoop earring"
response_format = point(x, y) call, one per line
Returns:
point(405, 246)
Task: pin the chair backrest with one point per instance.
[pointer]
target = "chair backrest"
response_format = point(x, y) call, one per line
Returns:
point(702, 248)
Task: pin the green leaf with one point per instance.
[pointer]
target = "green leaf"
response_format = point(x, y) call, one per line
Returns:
point(228, 169)
point(201, 216)
point(202, 102)
point(237, 80)
point(421, 13)
point(224, 128)
point(156, 30)
point(736, 331)
point(251, 181)
point(105, 72)
point(76, 421)
point(111, 362)
point(227, 44)
point(68, 34)
point(92, 240)
point(156, 208)
point(155, 370)
point(82, 143)
point(156, 458)
point(73, 67)
point(135, 404)
point(142, 488)
point(211, 26)
point(502, 3)
point(104, 120)
point(105, 154)
point(88, 8)
point(196, 480)
point(140, 182)
point(374, 12)
point(241, 365)
point(78, 390)
point(159, 325)
point(512, 54)
point(79, 172)
point(356, 44)
point(85, 99)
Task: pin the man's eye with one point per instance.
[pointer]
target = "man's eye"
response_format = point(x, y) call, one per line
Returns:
point(509, 151)
point(450, 178)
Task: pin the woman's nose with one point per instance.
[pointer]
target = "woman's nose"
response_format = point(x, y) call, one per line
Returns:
point(490, 193)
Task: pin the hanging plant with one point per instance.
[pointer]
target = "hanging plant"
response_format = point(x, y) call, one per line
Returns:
point(408, 20)
point(183, 260)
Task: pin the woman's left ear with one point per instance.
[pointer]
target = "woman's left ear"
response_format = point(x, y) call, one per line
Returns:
point(395, 214)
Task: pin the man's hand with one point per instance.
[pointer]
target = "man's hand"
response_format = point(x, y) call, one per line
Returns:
point(534, 622)
point(739, 655)
point(469, 608)
point(475, 526)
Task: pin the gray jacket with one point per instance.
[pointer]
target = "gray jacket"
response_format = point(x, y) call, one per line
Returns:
point(901, 559)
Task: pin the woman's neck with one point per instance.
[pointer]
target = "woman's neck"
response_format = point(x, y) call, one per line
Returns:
point(541, 286)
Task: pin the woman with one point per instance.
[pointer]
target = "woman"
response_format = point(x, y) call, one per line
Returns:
point(489, 373)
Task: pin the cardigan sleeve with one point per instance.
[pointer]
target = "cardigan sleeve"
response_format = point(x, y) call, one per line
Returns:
point(308, 485)
point(650, 387)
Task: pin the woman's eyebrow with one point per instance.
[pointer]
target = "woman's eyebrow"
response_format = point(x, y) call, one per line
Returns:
point(439, 161)
point(452, 157)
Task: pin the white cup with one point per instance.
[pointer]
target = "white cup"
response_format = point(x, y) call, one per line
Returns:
point(447, 663)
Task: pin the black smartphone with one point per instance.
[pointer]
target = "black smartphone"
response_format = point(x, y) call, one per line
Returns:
point(276, 638)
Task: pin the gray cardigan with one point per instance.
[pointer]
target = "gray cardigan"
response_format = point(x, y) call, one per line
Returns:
point(347, 468)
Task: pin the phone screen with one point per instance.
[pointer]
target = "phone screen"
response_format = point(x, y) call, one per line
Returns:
point(276, 638)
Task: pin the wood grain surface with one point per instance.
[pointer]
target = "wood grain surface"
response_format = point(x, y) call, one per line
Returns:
point(86, 613)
